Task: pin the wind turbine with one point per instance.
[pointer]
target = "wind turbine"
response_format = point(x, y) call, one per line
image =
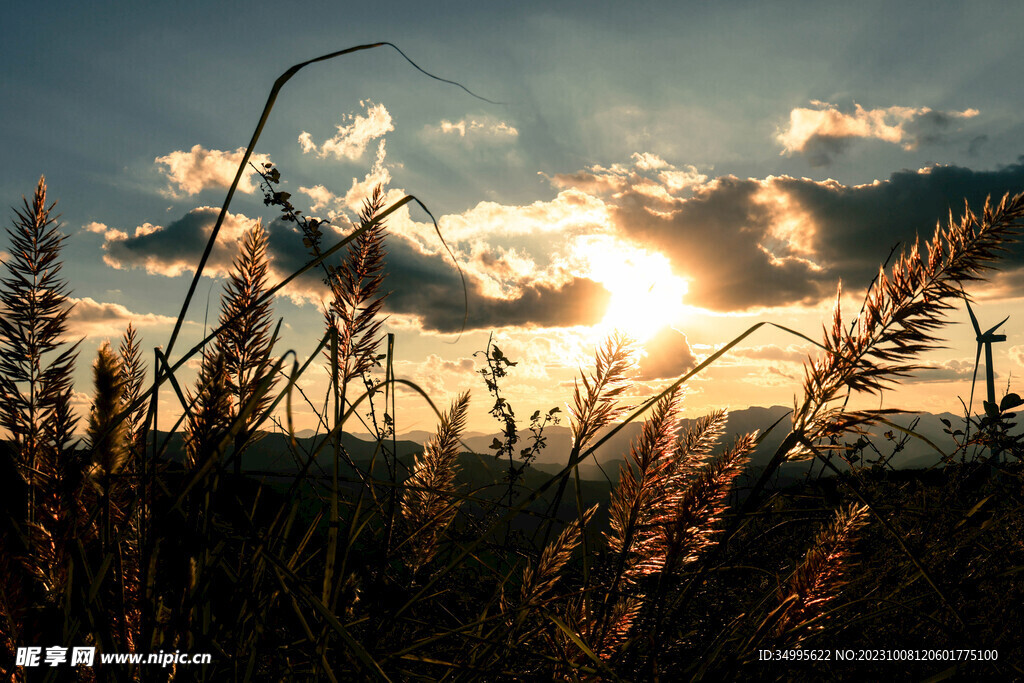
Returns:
point(986, 339)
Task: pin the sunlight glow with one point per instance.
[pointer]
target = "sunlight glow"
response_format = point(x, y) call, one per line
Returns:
point(646, 294)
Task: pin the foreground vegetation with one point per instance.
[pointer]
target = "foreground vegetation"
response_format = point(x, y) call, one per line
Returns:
point(391, 568)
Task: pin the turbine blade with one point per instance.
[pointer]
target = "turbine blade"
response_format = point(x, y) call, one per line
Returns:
point(974, 321)
point(996, 327)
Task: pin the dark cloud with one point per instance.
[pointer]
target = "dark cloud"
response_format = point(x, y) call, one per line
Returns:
point(933, 128)
point(429, 286)
point(975, 145)
point(668, 356)
point(717, 237)
point(857, 225)
point(821, 150)
point(177, 247)
point(424, 285)
point(727, 237)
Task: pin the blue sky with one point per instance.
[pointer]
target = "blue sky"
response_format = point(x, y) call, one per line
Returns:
point(694, 165)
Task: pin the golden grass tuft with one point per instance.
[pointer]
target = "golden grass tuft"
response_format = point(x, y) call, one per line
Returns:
point(428, 506)
point(818, 578)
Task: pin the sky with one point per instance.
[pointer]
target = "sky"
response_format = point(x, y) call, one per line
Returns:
point(679, 171)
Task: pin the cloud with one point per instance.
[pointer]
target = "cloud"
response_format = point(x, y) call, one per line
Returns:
point(947, 371)
point(648, 174)
point(773, 352)
point(740, 245)
point(177, 247)
point(347, 206)
point(666, 355)
point(427, 285)
point(351, 139)
point(107, 232)
point(479, 130)
point(199, 169)
point(824, 131)
point(91, 318)
point(750, 243)
point(422, 283)
point(1016, 354)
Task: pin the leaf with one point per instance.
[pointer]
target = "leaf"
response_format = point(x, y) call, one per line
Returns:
point(1010, 401)
point(496, 445)
point(945, 422)
point(991, 410)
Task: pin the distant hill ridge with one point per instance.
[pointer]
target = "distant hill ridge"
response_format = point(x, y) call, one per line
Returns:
point(272, 452)
point(915, 454)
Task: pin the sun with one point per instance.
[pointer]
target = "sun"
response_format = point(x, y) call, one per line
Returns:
point(645, 294)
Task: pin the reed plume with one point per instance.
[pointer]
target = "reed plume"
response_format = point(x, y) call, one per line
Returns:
point(597, 405)
point(134, 378)
point(696, 443)
point(643, 487)
point(354, 327)
point(355, 304)
point(212, 409)
point(900, 314)
point(539, 580)
point(688, 521)
point(818, 578)
point(245, 338)
point(110, 489)
point(427, 506)
point(36, 365)
point(107, 436)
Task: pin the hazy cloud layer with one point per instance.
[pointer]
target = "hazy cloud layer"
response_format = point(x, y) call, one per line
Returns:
point(352, 138)
point(948, 371)
point(199, 169)
point(823, 131)
point(789, 354)
point(1016, 354)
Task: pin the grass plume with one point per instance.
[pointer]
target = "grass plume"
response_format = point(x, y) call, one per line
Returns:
point(427, 504)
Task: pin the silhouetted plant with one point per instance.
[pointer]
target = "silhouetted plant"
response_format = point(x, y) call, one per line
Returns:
point(36, 364)
point(245, 338)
